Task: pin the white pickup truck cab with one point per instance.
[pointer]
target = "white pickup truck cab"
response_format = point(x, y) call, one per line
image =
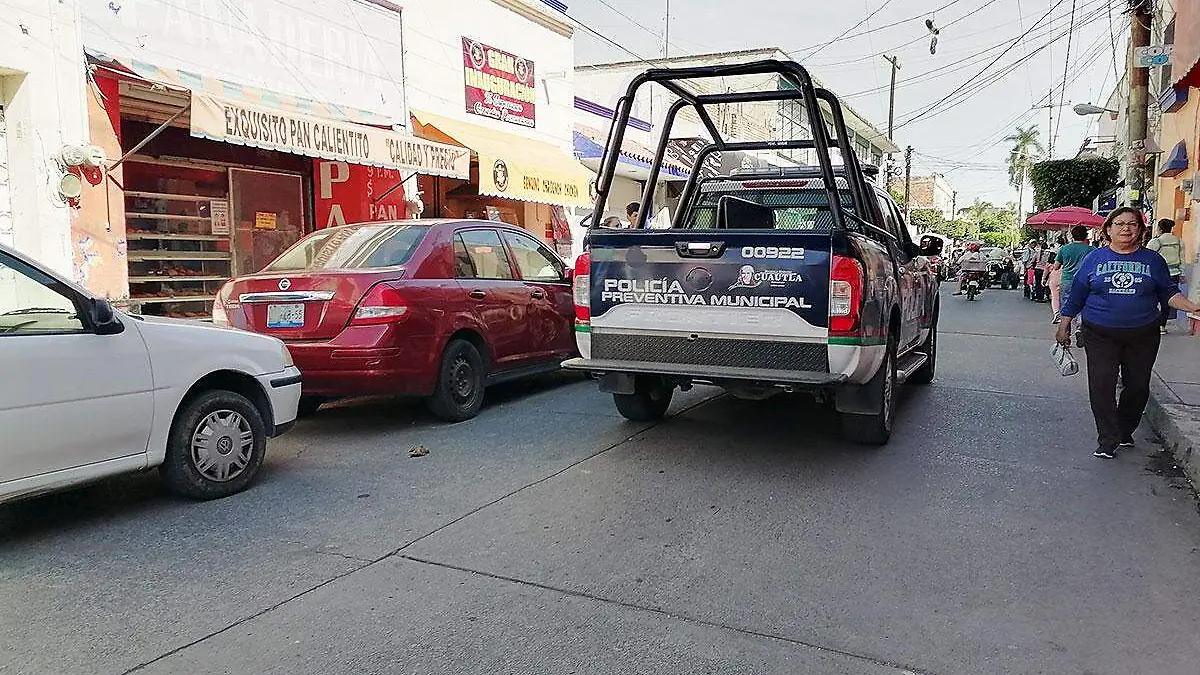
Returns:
point(87, 391)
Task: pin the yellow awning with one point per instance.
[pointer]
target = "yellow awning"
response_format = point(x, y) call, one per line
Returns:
point(516, 167)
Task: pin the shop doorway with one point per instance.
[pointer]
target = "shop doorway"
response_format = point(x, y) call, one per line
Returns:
point(267, 209)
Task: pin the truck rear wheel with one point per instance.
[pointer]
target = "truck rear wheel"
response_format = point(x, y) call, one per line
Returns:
point(648, 402)
point(876, 428)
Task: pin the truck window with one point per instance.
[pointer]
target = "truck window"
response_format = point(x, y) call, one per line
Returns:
point(791, 209)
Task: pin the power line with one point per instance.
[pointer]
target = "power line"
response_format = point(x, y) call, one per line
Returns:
point(846, 32)
point(922, 38)
point(963, 96)
point(971, 79)
point(1066, 65)
point(1112, 36)
point(879, 28)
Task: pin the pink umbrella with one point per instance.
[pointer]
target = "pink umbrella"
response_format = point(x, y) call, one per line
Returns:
point(1064, 217)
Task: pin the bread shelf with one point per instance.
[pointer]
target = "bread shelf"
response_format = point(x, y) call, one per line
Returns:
point(134, 236)
point(179, 278)
point(139, 256)
point(171, 197)
point(165, 216)
point(179, 298)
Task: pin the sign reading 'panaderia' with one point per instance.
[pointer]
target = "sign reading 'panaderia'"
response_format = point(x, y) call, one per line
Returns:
point(264, 127)
point(499, 85)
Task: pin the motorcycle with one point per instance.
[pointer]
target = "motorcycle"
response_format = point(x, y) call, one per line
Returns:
point(936, 268)
point(1002, 273)
point(975, 281)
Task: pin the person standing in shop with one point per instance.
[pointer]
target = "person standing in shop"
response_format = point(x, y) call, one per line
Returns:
point(1117, 293)
point(1170, 248)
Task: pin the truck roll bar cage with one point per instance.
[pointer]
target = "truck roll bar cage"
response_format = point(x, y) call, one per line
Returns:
point(803, 90)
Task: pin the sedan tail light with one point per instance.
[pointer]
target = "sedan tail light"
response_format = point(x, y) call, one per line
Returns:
point(383, 303)
point(222, 304)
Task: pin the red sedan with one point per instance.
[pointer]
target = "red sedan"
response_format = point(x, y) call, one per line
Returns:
point(437, 309)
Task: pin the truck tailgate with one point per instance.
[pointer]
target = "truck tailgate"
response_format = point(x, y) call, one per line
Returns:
point(720, 298)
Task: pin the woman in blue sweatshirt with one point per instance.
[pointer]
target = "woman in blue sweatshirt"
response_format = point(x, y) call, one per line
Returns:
point(1118, 292)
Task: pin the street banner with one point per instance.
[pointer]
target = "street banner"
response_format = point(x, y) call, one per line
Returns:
point(499, 85)
point(261, 126)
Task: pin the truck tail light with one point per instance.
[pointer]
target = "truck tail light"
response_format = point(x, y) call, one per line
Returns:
point(581, 289)
point(383, 303)
point(845, 296)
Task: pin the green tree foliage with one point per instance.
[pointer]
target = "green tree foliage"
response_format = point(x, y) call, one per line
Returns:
point(927, 220)
point(1071, 182)
point(992, 224)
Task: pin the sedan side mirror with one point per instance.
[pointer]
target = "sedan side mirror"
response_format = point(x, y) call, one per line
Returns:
point(103, 318)
point(568, 274)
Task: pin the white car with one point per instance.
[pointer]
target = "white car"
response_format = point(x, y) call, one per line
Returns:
point(87, 392)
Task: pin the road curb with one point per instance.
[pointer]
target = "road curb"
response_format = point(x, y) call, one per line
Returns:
point(1177, 427)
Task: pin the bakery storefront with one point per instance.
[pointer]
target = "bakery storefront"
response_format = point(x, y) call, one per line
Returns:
point(514, 117)
point(218, 179)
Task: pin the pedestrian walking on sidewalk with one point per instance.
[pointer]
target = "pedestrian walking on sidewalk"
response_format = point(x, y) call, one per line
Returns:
point(1067, 260)
point(1054, 277)
point(1117, 293)
point(1170, 248)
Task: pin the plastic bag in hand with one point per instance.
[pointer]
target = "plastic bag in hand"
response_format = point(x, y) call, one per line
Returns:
point(1064, 360)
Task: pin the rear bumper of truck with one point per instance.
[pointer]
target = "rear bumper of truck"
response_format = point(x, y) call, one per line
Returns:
point(707, 374)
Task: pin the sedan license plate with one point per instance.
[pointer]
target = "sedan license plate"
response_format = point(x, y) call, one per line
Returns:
point(285, 316)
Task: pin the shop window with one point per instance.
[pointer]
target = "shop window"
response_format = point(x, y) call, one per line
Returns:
point(534, 262)
point(485, 254)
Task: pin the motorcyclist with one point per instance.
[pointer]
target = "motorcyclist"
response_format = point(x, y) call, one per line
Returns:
point(971, 261)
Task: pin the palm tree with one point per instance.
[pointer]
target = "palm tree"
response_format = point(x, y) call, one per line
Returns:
point(1026, 150)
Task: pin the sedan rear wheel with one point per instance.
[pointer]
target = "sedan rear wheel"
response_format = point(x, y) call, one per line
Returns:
point(459, 392)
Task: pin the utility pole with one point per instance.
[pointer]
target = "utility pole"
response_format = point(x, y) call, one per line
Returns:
point(895, 61)
point(1139, 85)
point(907, 180)
point(667, 33)
point(1050, 126)
point(954, 205)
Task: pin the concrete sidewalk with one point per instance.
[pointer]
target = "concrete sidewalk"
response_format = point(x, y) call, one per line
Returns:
point(1174, 409)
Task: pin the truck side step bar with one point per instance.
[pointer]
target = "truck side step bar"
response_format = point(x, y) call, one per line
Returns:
point(910, 364)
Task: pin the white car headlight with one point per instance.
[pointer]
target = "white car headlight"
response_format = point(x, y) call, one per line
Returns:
point(287, 356)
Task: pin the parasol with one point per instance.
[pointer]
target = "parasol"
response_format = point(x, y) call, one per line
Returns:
point(1064, 217)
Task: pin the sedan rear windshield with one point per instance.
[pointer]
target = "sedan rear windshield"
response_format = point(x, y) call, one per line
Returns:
point(352, 247)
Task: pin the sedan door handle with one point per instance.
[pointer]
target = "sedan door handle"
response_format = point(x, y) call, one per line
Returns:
point(477, 294)
point(538, 294)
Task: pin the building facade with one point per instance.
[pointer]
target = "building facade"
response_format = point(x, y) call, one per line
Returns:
point(929, 192)
point(42, 109)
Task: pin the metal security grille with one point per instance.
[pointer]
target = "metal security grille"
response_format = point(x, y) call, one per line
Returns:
point(795, 356)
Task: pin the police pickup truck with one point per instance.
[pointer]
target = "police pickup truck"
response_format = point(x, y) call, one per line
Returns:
point(768, 281)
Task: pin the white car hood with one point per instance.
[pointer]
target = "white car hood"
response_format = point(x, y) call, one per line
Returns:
point(207, 346)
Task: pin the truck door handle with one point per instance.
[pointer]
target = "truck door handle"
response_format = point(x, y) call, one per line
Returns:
point(477, 294)
point(700, 249)
point(538, 294)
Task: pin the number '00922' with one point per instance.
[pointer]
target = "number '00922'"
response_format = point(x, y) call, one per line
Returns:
point(773, 252)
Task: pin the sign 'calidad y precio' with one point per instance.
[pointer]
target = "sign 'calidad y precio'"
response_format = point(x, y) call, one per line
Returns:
point(261, 126)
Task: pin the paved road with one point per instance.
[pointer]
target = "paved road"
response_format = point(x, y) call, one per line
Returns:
point(550, 536)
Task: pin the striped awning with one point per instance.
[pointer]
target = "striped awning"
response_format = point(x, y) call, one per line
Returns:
point(229, 112)
point(194, 82)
